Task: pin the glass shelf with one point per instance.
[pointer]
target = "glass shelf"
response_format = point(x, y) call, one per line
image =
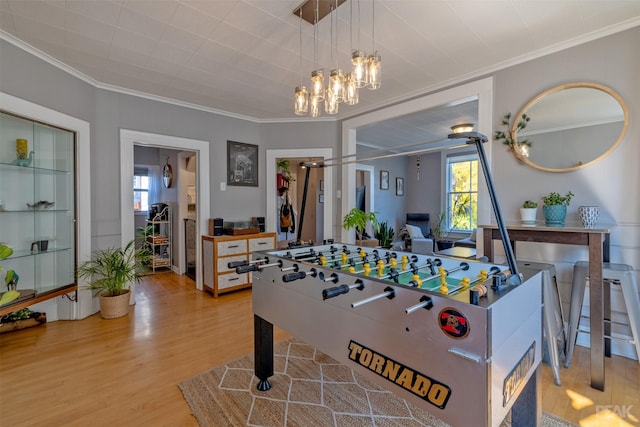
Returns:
point(32, 169)
point(22, 254)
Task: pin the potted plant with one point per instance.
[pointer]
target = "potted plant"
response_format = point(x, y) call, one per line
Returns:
point(385, 235)
point(528, 212)
point(109, 273)
point(441, 233)
point(508, 137)
point(358, 220)
point(11, 278)
point(554, 208)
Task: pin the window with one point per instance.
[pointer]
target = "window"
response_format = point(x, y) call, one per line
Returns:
point(462, 192)
point(140, 189)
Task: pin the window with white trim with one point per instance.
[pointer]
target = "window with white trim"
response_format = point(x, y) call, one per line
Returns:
point(141, 183)
point(462, 192)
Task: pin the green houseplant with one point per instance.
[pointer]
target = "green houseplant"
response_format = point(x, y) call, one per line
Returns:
point(528, 212)
point(109, 273)
point(441, 233)
point(554, 208)
point(385, 235)
point(358, 220)
point(11, 278)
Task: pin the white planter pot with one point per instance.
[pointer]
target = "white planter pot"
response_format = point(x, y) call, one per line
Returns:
point(528, 215)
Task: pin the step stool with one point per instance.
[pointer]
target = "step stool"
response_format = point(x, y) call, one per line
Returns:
point(552, 317)
point(612, 274)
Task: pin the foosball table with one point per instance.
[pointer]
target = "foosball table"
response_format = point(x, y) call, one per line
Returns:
point(453, 336)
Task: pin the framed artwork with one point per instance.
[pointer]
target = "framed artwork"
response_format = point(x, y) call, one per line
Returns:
point(384, 180)
point(321, 198)
point(242, 164)
point(399, 186)
point(321, 185)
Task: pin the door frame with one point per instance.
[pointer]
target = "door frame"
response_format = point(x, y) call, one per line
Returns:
point(129, 138)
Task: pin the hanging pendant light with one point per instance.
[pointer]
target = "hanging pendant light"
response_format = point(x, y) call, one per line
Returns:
point(350, 91)
point(336, 76)
point(314, 107)
point(374, 61)
point(330, 101)
point(301, 99)
point(358, 57)
point(317, 75)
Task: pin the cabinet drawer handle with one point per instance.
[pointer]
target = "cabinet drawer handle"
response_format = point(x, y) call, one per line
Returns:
point(234, 278)
point(262, 243)
point(233, 246)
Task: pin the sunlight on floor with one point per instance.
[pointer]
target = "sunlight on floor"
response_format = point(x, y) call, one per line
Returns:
point(579, 401)
point(605, 418)
point(605, 415)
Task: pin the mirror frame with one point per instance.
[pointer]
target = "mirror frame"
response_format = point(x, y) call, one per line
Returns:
point(558, 88)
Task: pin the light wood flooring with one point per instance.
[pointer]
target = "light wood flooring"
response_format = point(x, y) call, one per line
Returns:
point(124, 372)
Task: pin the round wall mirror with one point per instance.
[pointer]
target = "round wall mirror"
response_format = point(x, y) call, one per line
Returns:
point(167, 175)
point(571, 126)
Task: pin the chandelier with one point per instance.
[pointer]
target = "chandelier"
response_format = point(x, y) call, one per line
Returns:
point(341, 87)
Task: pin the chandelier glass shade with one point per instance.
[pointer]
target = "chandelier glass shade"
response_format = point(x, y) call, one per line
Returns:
point(337, 84)
point(317, 85)
point(374, 68)
point(314, 107)
point(350, 91)
point(359, 68)
point(301, 101)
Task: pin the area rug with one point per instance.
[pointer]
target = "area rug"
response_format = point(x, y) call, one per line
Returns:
point(309, 389)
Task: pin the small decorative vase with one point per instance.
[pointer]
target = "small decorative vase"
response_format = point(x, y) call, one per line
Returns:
point(528, 215)
point(554, 215)
point(22, 148)
point(589, 215)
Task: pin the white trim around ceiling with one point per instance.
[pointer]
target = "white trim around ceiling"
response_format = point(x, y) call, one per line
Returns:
point(129, 138)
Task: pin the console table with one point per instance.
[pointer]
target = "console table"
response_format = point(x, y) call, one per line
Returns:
point(573, 233)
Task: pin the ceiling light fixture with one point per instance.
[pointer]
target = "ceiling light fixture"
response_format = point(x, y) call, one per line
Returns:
point(374, 61)
point(462, 128)
point(301, 95)
point(341, 87)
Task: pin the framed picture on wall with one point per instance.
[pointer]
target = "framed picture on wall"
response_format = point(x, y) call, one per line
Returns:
point(399, 186)
point(242, 164)
point(321, 198)
point(384, 180)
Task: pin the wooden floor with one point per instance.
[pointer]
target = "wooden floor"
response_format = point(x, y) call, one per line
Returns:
point(124, 372)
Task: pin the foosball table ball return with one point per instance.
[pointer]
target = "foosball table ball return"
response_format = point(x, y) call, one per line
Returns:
point(461, 339)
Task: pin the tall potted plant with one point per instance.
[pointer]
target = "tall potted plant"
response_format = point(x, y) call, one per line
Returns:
point(385, 235)
point(441, 233)
point(554, 208)
point(109, 273)
point(359, 219)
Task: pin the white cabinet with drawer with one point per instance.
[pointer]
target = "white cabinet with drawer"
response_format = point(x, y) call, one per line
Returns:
point(219, 251)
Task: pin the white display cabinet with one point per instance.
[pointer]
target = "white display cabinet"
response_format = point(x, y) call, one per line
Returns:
point(38, 208)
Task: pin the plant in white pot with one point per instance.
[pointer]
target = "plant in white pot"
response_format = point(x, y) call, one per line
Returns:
point(528, 212)
point(554, 208)
point(109, 273)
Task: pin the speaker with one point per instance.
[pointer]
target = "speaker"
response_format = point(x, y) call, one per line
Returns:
point(260, 221)
point(215, 227)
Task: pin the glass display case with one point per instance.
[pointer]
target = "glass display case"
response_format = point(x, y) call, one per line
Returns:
point(37, 207)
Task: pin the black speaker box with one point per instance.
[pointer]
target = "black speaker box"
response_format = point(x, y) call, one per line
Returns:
point(260, 221)
point(215, 227)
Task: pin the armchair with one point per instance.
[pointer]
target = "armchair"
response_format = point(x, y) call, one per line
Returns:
point(418, 234)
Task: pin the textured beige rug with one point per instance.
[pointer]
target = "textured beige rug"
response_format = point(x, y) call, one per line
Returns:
point(309, 389)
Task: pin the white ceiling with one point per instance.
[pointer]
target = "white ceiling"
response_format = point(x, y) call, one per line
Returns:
point(242, 57)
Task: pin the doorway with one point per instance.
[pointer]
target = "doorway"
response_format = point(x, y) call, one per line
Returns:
point(129, 138)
